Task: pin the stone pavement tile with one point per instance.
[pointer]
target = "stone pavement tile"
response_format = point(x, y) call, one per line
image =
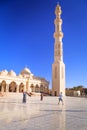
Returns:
point(45, 115)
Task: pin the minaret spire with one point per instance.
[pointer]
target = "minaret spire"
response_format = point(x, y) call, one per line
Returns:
point(58, 35)
point(58, 67)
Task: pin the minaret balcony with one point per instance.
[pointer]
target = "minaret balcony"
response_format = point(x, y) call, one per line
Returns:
point(57, 21)
point(58, 34)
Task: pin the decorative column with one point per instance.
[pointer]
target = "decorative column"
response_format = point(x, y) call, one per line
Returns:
point(7, 87)
point(17, 91)
point(27, 85)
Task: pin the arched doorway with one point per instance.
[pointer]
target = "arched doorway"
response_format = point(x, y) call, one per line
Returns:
point(3, 86)
point(32, 88)
point(55, 93)
point(41, 88)
point(37, 89)
point(21, 87)
point(0, 87)
point(12, 87)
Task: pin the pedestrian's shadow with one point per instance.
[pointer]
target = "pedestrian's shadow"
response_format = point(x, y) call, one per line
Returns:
point(76, 110)
point(43, 103)
point(65, 110)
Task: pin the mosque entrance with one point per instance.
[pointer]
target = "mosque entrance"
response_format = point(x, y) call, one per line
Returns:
point(55, 93)
point(32, 88)
point(0, 87)
point(21, 87)
point(3, 86)
point(12, 87)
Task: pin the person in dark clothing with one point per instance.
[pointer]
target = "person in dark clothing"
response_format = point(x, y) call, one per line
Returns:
point(24, 97)
point(41, 96)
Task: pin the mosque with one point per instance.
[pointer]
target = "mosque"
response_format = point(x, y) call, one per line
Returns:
point(25, 81)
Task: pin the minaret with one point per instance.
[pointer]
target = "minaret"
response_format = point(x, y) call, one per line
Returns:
point(58, 67)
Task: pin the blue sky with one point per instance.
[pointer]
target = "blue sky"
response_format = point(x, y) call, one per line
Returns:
point(26, 37)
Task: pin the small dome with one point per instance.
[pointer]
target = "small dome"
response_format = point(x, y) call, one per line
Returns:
point(25, 71)
point(4, 72)
point(11, 73)
point(20, 76)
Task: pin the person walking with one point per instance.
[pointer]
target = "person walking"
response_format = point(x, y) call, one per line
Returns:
point(61, 98)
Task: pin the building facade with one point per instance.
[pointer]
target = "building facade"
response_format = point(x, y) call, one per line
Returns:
point(25, 81)
point(58, 67)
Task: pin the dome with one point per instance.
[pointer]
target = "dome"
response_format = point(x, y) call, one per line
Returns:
point(11, 73)
point(25, 71)
point(20, 76)
point(4, 72)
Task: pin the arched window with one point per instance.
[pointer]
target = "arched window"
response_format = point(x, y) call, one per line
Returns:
point(41, 88)
point(55, 72)
point(62, 73)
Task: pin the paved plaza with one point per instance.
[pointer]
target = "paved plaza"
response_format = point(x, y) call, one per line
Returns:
point(43, 115)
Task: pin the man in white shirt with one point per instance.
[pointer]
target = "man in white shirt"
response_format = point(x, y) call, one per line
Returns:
point(60, 98)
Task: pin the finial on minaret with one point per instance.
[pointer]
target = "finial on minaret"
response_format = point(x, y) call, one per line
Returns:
point(58, 3)
point(58, 9)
